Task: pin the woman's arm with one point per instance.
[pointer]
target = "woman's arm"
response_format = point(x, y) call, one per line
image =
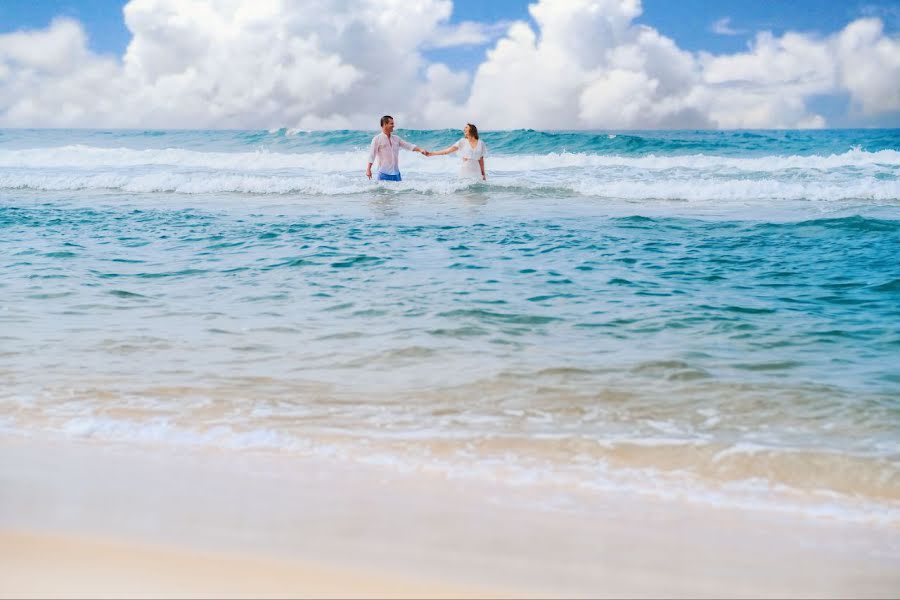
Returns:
point(444, 151)
point(481, 164)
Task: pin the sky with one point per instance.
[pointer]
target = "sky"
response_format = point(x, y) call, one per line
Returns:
point(546, 64)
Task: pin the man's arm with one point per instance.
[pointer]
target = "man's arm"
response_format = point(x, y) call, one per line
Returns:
point(406, 145)
point(372, 147)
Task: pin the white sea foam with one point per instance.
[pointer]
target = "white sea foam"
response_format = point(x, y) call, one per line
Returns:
point(708, 188)
point(855, 174)
point(161, 430)
point(596, 477)
point(339, 162)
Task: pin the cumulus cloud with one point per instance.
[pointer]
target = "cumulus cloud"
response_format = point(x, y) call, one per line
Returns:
point(768, 85)
point(467, 33)
point(240, 63)
point(587, 65)
point(868, 65)
point(723, 27)
point(627, 75)
point(325, 64)
point(889, 14)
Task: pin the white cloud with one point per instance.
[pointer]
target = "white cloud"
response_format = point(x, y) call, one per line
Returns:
point(441, 97)
point(890, 14)
point(868, 64)
point(768, 85)
point(587, 65)
point(343, 63)
point(240, 63)
point(723, 27)
point(631, 76)
point(57, 49)
point(467, 33)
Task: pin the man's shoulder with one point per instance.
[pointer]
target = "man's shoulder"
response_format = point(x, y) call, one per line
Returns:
point(378, 136)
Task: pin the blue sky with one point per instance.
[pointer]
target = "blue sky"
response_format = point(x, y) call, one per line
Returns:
point(719, 27)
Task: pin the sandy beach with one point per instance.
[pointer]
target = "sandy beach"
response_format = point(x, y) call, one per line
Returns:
point(55, 566)
point(99, 520)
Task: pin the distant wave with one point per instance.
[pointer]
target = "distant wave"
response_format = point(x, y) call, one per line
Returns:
point(334, 162)
point(692, 166)
point(512, 142)
point(341, 184)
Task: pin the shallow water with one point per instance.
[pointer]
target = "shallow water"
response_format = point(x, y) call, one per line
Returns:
point(707, 314)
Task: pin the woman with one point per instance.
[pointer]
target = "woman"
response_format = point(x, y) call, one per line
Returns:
point(471, 150)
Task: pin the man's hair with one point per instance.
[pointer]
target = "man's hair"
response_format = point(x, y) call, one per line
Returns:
point(385, 119)
point(473, 131)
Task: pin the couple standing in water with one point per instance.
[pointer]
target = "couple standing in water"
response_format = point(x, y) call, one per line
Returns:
point(385, 150)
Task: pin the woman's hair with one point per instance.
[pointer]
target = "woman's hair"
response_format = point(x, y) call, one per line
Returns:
point(473, 131)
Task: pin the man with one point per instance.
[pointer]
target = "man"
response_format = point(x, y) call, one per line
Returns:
point(386, 147)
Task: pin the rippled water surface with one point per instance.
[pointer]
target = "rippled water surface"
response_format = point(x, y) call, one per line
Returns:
point(704, 313)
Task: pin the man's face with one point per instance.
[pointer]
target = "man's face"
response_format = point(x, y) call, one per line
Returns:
point(389, 126)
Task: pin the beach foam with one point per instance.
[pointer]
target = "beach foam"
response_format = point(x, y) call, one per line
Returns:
point(854, 175)
point(171, 521)
point(339, 160)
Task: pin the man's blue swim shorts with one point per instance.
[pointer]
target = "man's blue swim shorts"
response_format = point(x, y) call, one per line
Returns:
point(386, 177)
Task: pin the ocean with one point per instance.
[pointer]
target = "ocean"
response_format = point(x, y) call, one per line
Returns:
point(707, 315)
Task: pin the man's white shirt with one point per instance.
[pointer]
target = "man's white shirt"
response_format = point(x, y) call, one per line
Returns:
point(387, 152)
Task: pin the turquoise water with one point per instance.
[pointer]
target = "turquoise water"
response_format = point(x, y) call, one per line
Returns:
point(716, 313)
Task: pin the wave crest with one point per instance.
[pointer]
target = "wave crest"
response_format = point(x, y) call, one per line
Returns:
point(81, 156)
point(336, 184)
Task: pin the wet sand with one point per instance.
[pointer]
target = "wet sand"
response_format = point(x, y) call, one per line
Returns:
point(83, 519)
point(56, 566)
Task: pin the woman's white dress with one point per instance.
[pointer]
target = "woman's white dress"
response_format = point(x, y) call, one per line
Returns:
point(470, 168)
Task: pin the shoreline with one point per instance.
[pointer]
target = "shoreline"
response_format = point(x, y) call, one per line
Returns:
point(280, 525)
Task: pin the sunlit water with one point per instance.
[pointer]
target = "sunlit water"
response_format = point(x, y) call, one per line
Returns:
point(713, 315)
